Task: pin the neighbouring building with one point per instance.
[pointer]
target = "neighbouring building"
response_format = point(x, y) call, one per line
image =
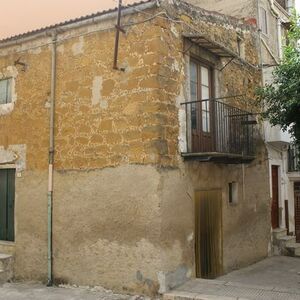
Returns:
point(272, 19)
point(160, 171)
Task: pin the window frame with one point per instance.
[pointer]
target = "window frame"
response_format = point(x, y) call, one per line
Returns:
point(233, 193)
point(8, 90)
point(263, 20)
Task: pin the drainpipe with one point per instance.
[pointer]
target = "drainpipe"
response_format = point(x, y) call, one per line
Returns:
point(279, 37)
point(259, 42)
point(51, 156)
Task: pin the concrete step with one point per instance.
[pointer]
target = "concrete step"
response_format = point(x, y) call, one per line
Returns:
point(6, 268)
point(294, 249)
point(282, 242)
point(279, 232)
point(5, 276)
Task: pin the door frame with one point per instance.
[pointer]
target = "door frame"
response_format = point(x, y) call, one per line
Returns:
point(11, 167)
point(296, 210)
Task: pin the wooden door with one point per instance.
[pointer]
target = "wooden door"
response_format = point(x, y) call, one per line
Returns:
point(297, 210)
point(275, 197)
point(7, 199)
point(201, 112)
point(208, 241)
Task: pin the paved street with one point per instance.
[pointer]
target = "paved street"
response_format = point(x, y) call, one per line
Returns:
point(279, 271)
point(18, 291)
point(273, 278)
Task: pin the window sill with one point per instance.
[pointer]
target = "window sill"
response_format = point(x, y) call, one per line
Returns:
point(7, 243)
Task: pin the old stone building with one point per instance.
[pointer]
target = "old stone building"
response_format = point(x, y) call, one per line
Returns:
point(156, 171)
point(273, 19)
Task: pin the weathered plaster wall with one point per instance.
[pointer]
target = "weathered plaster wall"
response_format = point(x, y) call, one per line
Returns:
point(248, 10)
point(244, 9)
point(245, 225)
point(105, 232)
point(123, 197)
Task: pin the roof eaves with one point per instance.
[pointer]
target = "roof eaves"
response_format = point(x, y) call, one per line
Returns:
point(69, 22)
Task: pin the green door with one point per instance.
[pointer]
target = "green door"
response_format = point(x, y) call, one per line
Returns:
point(7, 204)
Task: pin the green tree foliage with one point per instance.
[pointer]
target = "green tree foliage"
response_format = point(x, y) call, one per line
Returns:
point(282, 98)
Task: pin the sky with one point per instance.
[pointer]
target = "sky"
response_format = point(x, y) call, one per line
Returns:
point(19, 16)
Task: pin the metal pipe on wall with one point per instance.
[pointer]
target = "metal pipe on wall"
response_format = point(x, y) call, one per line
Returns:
point(279, 37)
point(51, 157)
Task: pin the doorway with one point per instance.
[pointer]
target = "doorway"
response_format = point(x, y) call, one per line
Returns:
point(7, 204)
point(275, 197)
point(297, 210)
point(208, 237)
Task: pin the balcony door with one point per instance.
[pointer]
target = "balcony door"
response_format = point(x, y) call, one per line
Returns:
point(201, 114)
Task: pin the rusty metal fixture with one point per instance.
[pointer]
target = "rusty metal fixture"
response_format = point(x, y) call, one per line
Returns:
point(18, 62)
point(117, 41)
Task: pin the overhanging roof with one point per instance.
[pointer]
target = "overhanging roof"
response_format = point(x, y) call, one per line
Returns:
point(71, 21)
point(211, 46)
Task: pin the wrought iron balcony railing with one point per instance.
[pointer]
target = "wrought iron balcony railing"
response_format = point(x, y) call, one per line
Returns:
point(218, 131)
point(294, 158)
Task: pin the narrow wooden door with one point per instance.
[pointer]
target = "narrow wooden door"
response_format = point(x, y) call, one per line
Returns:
point(208, 241)
point(275, 197)
point(7, 203)
point(202, 111)
point(297, 210)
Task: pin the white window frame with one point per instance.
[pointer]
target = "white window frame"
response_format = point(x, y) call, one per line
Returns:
point(8, 92)
point(263, 21)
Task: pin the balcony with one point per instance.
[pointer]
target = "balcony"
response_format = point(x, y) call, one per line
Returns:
point(218, 132)
point(293, 159)
point(275, 136)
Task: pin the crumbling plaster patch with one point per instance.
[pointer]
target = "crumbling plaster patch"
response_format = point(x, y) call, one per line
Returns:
point(78, 48)
point(97, 93)
point(96, 90)
point(14, 154)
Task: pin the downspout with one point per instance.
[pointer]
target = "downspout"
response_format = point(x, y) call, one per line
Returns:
point(279, 36)
point(259, 42)
point(51, 156)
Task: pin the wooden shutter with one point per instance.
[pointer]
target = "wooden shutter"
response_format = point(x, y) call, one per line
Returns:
point(7, 204)
point(3, 204)
point(10, 205)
